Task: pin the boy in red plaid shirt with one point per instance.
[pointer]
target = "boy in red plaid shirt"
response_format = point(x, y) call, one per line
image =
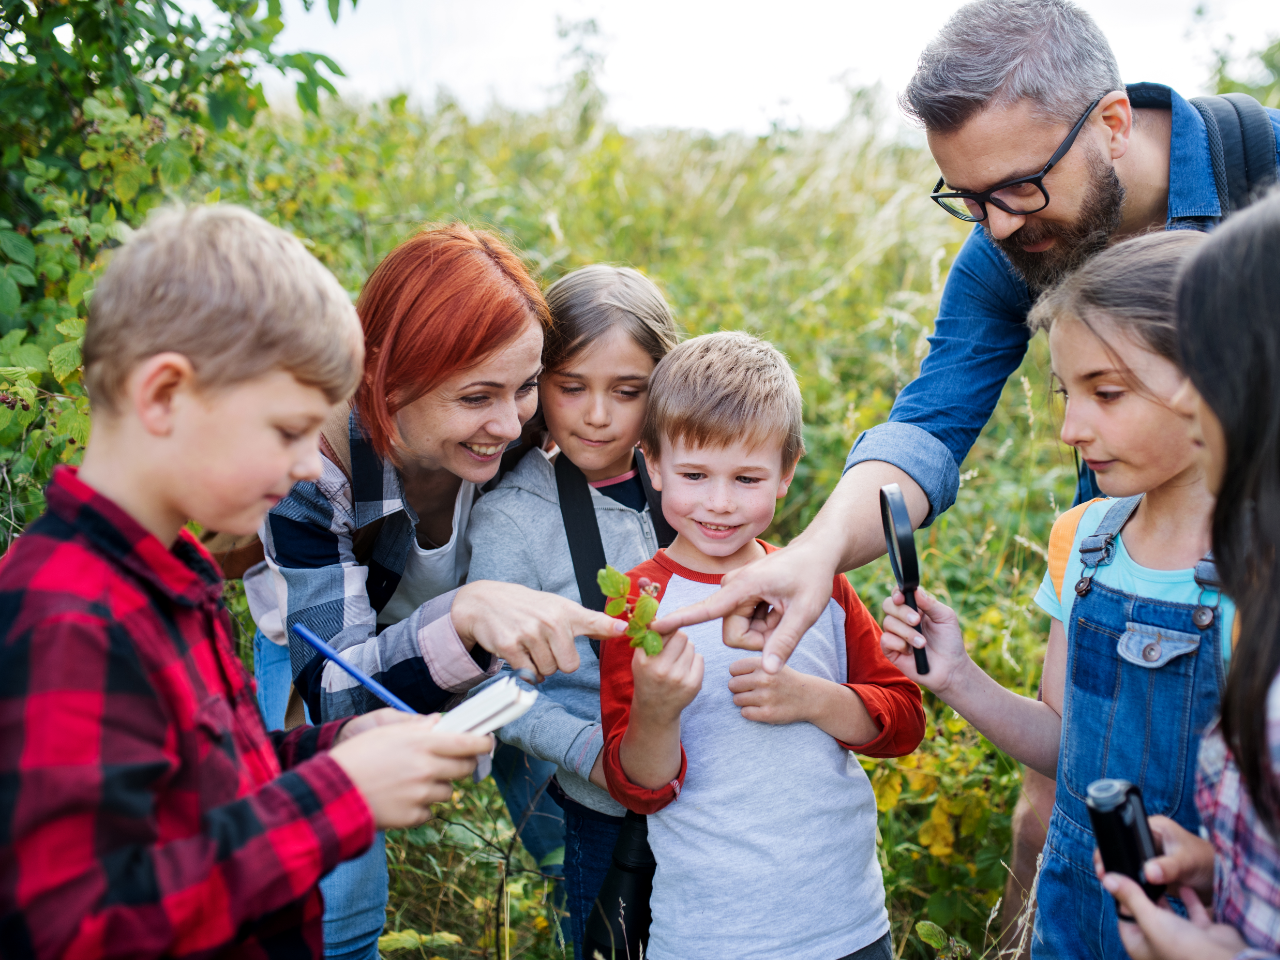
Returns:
point(143, 807)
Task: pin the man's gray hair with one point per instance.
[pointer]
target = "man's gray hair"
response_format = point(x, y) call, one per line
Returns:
point(997, 52)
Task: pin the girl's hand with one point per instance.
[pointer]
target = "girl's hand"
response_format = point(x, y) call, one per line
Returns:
point(667, 683)
point(1156, 934)
point(942, 638)
point(782, 697)
point(1185, 859)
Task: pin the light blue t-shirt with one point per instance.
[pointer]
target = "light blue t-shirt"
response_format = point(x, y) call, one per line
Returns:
point(1123, 573)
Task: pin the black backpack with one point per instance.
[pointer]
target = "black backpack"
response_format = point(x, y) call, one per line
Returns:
point(1242, 147)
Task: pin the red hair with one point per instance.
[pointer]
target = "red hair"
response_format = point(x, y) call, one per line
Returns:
point(440, 302)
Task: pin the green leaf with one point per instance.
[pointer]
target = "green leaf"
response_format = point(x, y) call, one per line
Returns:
point(21, 274)
point(174, 166)
point(615, 606)
point(613, 583)
point(213, 196)
point(10, 298)
point(18, 248)
point(129, 179)
point(73, 328)
point(64, 359)
point(646, 610)
point(74, 424)
point(90, 159)
point(333, 10)
point(80, 284)
point(31, 357)
point(635, 630)
point(652, 643)
point(932, 934)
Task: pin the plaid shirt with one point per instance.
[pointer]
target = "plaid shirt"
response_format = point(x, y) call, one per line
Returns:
point(1246, 882)
point(143, 811)
point(313, 576)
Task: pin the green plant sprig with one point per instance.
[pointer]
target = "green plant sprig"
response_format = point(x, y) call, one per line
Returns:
point(617, 587)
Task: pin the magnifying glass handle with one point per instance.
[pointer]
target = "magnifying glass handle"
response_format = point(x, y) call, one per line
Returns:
point(922, 658)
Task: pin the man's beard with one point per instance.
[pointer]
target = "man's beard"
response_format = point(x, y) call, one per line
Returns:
point(1076, 242)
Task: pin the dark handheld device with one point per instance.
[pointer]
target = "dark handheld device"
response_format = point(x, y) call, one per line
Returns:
point(1120, 826)
point(618, 927)
point(900, 540)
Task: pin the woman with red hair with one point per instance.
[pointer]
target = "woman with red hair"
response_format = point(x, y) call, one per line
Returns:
point(373, 556)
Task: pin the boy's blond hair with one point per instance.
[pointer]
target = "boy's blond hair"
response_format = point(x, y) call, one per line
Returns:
point(235, 295)
point(724, 388)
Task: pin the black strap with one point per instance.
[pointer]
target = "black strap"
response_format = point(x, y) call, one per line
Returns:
point(1242, 147)
point(665, 533)
point(580, 525)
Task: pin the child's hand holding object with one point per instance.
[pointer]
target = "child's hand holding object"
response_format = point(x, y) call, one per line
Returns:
point(903, 629)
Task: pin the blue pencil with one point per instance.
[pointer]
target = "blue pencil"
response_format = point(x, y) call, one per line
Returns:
point(370, 684)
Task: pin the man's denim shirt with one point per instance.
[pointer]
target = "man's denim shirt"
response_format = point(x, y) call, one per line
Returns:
point(980, 335)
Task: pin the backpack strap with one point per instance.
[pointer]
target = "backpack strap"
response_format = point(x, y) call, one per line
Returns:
point(1242, 147)
point(586, 549)
point(1099, 547)
point(1061, 539)
point(664, 532)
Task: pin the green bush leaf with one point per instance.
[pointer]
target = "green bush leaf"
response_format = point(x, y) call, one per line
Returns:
point(10, 298)
point(74, 424)
point(73, 328)
point(64, 359)
point(635, 630)
point(31, 357)
point(932, 934)
point(613, 583)
point(129, 179)
point(79, 286)
point(615, 606)
point(174, 164)
point(18, 248)
point(652, 643)
point(21, 274)
point(646, 610)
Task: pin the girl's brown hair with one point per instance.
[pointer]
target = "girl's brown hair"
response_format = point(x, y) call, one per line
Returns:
point(1131, 286)
point(591, 301)
point(440, 302)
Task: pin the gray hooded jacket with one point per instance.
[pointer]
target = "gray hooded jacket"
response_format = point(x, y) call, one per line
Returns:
point(517, 536)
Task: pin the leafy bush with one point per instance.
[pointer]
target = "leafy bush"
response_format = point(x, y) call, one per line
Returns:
point(822, 241)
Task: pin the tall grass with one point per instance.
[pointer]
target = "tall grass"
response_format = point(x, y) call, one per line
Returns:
point(825, 243)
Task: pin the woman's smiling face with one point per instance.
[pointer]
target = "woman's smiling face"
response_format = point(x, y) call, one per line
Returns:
point(465, 423)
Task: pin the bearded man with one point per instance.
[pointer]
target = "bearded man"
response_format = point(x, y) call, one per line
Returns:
point(1053, 158)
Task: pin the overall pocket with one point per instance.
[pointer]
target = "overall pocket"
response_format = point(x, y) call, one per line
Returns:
point(1129, 710)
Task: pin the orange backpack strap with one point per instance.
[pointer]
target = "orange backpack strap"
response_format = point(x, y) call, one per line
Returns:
point(1061, 540)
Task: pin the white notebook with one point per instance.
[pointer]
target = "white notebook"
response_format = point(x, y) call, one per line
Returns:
point(492, 708)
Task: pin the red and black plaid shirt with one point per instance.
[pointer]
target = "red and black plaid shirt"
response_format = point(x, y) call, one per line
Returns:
point(143, 811)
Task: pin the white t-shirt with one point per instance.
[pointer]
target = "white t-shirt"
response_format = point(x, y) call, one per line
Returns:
point(429, 573)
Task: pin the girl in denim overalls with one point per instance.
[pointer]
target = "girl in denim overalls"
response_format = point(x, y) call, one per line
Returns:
point(1139, 635)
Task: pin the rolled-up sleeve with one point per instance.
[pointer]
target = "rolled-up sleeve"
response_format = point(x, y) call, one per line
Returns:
point(980, 337)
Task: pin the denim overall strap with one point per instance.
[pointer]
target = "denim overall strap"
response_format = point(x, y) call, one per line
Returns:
point(1143, 680)
point(1100, 547)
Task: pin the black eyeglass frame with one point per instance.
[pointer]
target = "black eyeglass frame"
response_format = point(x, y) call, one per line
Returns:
point(985, 197)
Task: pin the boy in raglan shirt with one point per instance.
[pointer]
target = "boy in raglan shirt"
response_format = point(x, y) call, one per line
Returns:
point(761, 819)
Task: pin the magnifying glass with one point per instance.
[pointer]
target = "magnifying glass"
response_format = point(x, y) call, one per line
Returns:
point(900, 539)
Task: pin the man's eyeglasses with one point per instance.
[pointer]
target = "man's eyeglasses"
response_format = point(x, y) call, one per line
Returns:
point(1020, 196)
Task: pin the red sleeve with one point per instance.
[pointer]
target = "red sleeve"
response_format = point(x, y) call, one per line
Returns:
point(617, 688)
point(892, 700)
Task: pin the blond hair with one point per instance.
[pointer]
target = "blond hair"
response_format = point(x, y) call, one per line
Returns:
point(589, 302)
point(235, 295)
point(724, 388)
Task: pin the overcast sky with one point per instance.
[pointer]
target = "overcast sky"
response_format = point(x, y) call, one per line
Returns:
point(716, 65)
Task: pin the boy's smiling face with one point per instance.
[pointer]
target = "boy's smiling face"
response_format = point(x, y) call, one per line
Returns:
point(718, 499)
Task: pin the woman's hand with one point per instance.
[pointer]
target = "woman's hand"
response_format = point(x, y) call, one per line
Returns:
point(401, 765)
point(1160, 934)
point(525, 627)
point(1185, 860)
point(941, 637)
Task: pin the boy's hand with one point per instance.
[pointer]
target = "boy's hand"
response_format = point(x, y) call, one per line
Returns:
point(667, 683)
point(401, 768)
point(941, 628)
point(782, 697)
